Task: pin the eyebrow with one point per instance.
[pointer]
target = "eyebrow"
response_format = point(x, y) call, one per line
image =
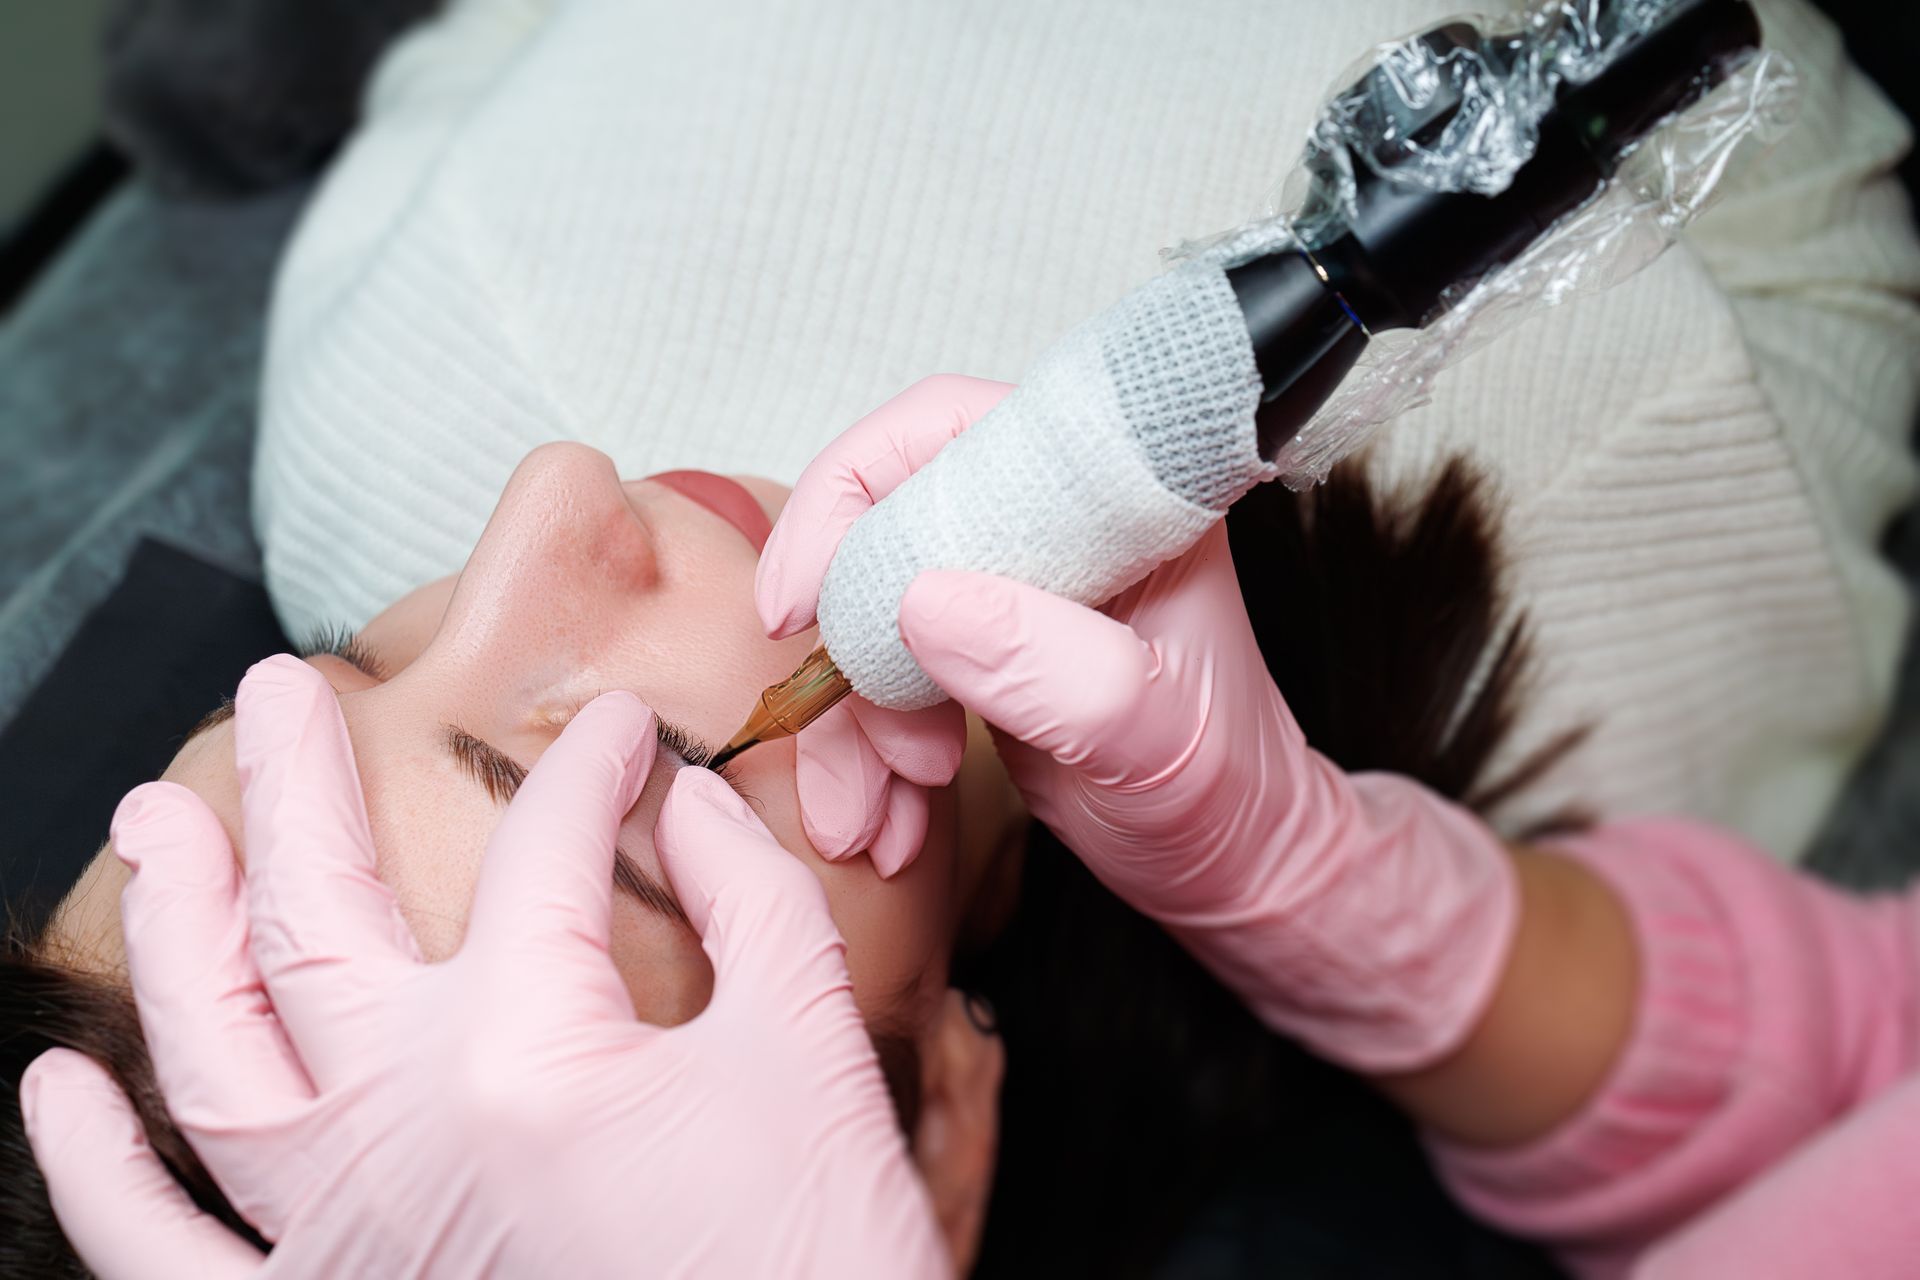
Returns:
point(501, 776)
point(498, 772)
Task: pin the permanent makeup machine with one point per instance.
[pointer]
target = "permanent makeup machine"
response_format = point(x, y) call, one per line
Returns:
point(1472, 173)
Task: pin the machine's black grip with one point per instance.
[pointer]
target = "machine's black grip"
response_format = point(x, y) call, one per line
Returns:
point(1402, 246)
point(1387, 254)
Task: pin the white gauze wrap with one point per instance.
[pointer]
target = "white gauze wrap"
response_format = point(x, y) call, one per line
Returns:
point(1123, 444)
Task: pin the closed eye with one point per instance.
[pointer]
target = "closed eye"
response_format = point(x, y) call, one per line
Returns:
point(338, 642)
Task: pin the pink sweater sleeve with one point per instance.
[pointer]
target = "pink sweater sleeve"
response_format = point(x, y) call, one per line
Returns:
point(1842, 1205)
point(1769, 1006)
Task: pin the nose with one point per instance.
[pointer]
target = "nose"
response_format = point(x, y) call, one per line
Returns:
point(565, 501)
point(562, 536)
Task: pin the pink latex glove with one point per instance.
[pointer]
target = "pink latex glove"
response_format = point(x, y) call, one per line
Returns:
point(1361, 914)
point(499, 1113)
point(862, 770)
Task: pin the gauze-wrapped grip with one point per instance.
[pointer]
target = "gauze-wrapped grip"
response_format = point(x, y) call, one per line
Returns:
point(1124, 443)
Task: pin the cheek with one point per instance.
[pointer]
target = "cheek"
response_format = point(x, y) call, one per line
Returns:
point(897, 931)
point(666, 973)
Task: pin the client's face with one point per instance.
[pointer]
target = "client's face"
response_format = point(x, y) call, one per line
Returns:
point(579, 585)
point(582, 584)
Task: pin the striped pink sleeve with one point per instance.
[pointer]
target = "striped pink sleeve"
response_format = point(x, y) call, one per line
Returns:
point(1769, 1006)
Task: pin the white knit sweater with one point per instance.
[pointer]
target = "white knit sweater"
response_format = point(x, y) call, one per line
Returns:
point(713, 235)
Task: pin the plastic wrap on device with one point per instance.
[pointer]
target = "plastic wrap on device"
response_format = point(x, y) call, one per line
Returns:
point(1505, 73)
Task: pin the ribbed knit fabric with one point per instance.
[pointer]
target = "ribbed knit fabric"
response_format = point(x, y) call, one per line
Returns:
point(1770, 1006)
point(1842, 1205)
point(714, 235)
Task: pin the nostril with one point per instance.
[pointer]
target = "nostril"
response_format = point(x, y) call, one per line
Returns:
point(622, 546)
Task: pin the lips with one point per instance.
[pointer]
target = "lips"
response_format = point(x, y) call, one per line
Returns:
point(726, 498)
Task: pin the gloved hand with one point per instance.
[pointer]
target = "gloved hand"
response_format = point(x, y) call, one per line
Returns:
point(1361, 914)
point(499, 1113)
point(862, 770)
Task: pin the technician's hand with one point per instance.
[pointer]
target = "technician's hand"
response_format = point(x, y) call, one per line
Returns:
point(1149, 736)
point(501, 1113)
point(862, 770)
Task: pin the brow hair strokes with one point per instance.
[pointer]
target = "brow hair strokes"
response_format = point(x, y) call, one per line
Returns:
point(1380, 618)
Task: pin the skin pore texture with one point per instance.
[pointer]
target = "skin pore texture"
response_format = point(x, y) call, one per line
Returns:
point(582, 584)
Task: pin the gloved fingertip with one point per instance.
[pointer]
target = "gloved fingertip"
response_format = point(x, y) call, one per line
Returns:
point(924, 747)
point(842, 784)
point(269, 685)
point(902, 832)
point(31, 1081)
point(280, 673)
point(962, 628)
point(709, 793)
point(838, 821)
point(781, 595)
point(832, 841)
point(628, 725)
point(950, 745)
point(768, 599)
point(154, 816)
point(690, 853)
point(927, 597)
point(51, 1081)
point(942, 606)
point(889, 857)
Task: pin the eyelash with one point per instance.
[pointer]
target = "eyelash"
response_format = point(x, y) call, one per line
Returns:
point(339, 642)
point(675, 739)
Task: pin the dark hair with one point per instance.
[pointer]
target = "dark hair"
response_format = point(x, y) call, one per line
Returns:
point(1150, 1124)
point(44, 1005)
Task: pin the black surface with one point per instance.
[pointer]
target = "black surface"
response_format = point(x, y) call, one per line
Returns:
point(129, 379)
point(1883, 39)
point(1397, 252)
point(1305, 342)
point(31, 245)
point(227, 98)
point(172, 640)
